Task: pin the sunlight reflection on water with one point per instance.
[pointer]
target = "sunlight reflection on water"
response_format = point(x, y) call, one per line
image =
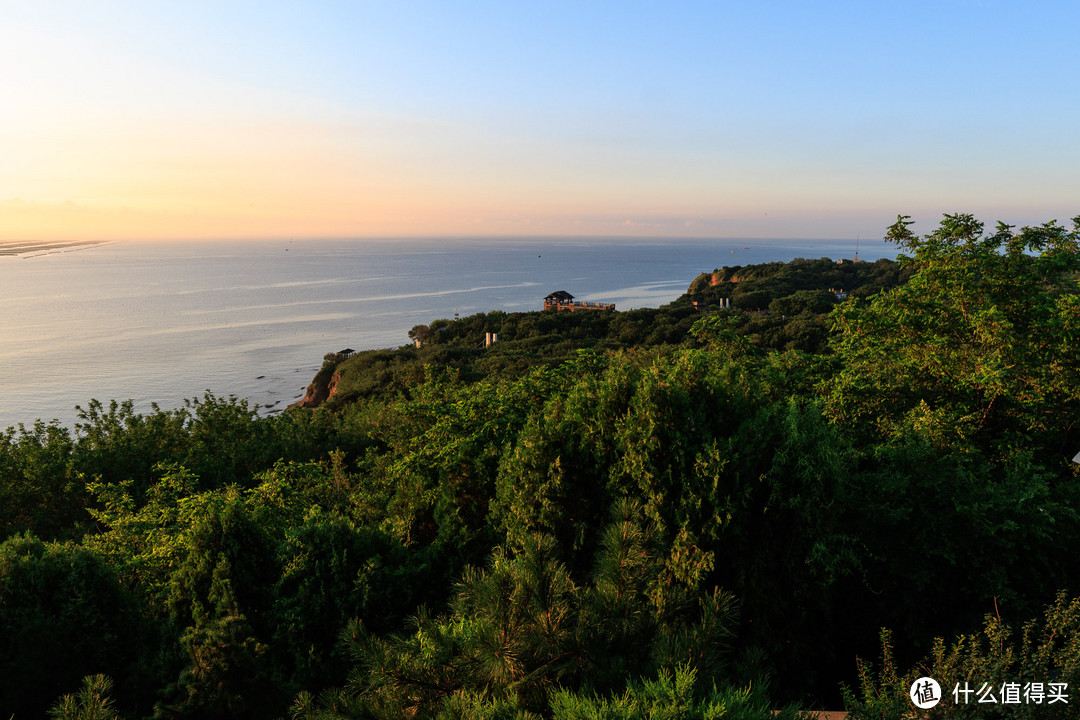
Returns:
point(158, 322)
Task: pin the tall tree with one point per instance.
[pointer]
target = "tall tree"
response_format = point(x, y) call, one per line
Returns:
point(977, 348)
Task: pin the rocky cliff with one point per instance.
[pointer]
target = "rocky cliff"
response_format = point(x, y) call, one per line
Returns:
point(320, 390)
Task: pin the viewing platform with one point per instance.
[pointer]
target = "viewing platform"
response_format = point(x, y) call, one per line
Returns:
point(562, 300)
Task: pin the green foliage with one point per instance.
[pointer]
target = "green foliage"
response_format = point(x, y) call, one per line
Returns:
point(629, 425)
point(745, 491)
point(466, 705)
point(671, 696)
point(64, 615)
point(522, 628)
point(1043, 652)
point(92, 702)
point(39, 487)
point(420, 333)
point(45, 471)
point(148, 543)
point(776, 280)
point(804, 302)
point(959, 533)
point(226, 674)
point(333, 571)
point(451, 439)
point(880, 697)
point(976, 350)
point(527, 341)
point(122, 445)
point(254, 585)
point(609, 471)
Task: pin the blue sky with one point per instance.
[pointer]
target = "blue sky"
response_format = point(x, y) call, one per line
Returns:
point(769, 119)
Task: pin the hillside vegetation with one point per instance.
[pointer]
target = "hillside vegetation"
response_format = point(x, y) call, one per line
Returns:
point(695, 511)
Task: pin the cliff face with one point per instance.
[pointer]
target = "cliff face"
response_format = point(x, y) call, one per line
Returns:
point(708, 280)
point(319, 391)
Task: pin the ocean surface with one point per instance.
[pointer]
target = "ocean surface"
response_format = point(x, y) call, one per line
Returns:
point(160, 322)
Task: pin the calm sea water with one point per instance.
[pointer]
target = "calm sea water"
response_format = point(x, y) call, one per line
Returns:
point(156, 322)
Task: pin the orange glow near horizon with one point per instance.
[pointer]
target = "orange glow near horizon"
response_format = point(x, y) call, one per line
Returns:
point(243, 178)
point(126, 121)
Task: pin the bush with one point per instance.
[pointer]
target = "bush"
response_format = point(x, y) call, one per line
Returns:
point(986, 662)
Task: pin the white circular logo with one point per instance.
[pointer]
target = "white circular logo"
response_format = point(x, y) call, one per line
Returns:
point(925, 693)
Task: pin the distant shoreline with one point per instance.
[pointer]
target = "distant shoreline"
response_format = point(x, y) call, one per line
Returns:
point(162, 322)
point(23, 247)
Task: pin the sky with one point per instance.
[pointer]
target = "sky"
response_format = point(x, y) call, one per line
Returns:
point(808, 119)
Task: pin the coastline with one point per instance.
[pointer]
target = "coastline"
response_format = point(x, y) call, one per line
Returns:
point(160, 322)
point(30, 248)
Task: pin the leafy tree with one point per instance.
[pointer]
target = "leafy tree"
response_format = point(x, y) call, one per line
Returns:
point(955, 532)
point(40, 489)
point(226, 675)
point(116, 444)
point(977, 349)
point(148, 543)
point(420, 333)
point(333, 571)
point(65, 615)
point(803, 302)
point(448, 447)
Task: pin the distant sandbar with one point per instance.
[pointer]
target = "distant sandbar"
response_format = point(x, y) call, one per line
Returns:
point(19, 247)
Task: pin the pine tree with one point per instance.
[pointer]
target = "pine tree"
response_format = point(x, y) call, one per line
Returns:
point(91, 702)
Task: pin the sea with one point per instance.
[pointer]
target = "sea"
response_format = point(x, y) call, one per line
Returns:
point(158, 322)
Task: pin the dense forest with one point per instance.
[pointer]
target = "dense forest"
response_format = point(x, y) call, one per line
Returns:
point(801, 484)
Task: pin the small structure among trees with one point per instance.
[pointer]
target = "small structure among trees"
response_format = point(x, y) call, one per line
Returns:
point(562, 300)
